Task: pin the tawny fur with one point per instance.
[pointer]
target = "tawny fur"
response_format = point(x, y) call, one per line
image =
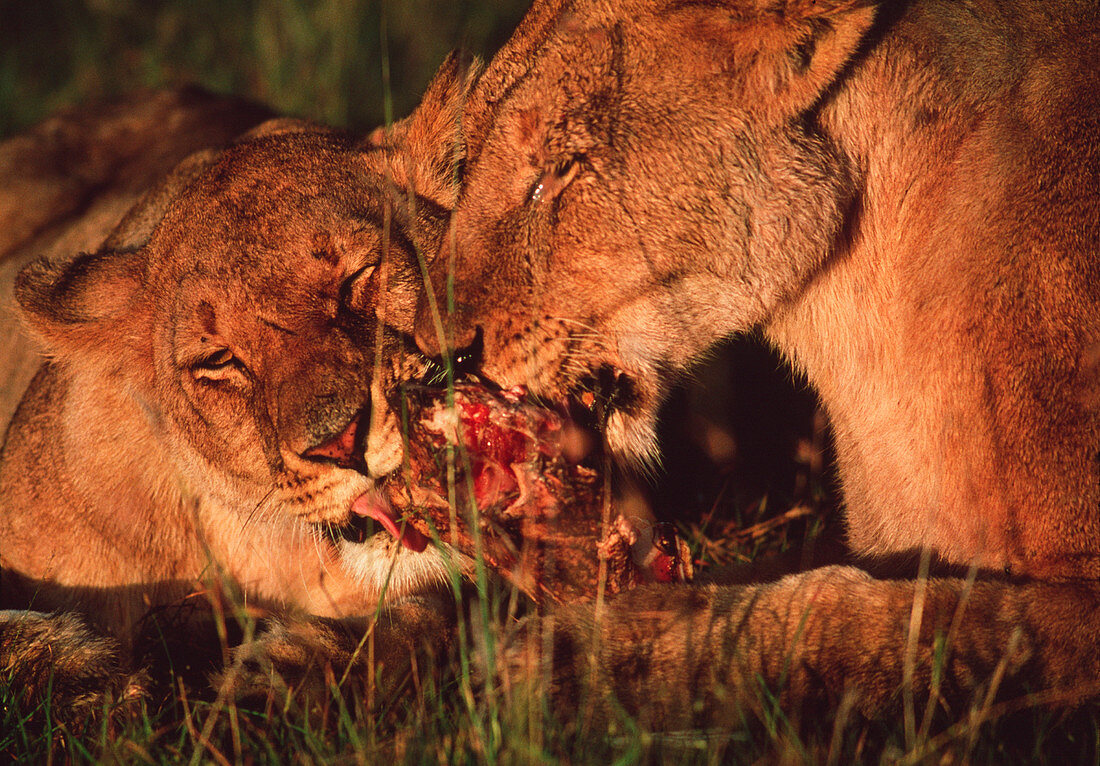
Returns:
point(67, 182)
point(903, 198)
point(54, 658)
point(225, 327)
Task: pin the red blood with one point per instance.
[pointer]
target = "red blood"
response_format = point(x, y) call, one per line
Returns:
point(665, 568)
point(475, 415)
point(491, 441)
point(505, 447)
point(491, 483)
point(540, 511)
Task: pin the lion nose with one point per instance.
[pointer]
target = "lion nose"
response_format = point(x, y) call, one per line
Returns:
point(437, 331)
point(345, 449)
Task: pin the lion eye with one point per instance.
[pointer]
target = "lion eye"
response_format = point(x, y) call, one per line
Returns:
point(219, 358)
point(554, 179)
point(218, 365)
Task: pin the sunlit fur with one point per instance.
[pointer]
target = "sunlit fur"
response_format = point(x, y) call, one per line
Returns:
point(902, 198)
point(229, 324)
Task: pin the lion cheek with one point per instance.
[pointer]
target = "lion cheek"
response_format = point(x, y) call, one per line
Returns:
point(209, 446)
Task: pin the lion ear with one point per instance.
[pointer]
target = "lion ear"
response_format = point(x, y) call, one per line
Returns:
point(82, 304)
point(824, 35)
point(797, 48)
point(429, 140)
point(85, 304)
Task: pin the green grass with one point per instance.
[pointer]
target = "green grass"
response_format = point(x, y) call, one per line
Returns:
point(452, 715)
point(321, 60)
point(436, 726)
point(348, 62)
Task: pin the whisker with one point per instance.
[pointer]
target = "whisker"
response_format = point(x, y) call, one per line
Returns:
point(258, 507)
point(578, 323)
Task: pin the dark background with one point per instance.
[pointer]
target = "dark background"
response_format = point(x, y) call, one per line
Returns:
point(325, 60)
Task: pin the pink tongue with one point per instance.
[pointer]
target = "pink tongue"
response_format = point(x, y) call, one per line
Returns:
point(374, 506)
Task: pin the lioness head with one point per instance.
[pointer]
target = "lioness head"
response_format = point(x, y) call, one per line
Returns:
point(644, 182)
point(251, 316)
point(226, 345)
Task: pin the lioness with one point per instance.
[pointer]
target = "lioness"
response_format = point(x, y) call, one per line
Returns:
point(207, 402)
point(904, 198)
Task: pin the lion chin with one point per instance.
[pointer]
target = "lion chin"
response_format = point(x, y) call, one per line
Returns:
point(633, 438)
point(382, 564)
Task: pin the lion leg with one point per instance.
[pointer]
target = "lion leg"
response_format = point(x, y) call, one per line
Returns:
point(690, 656)
point(309, 661)
point(54, 665)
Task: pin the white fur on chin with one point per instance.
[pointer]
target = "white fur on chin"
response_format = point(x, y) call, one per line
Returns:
point(381, 562)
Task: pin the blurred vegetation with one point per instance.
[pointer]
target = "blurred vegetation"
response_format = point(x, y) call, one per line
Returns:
point(323, 59)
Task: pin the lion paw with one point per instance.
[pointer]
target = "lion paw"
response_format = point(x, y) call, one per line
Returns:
point(63, 669)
